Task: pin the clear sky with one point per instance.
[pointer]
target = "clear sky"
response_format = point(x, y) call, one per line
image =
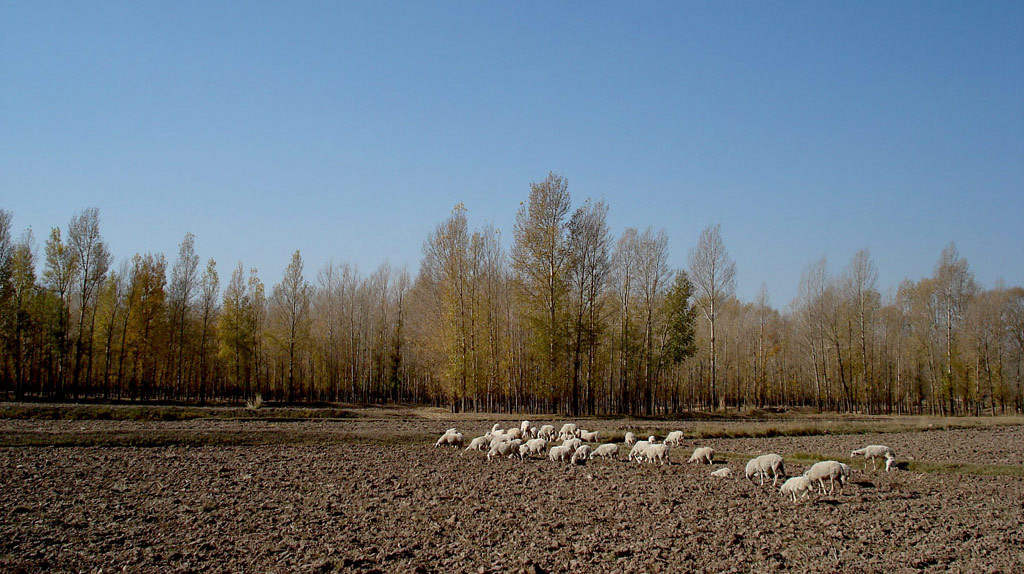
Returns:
point(349, 130)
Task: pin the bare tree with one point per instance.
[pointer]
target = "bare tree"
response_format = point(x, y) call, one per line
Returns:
point(713, 275)
point(93, 262)
point(180, 293)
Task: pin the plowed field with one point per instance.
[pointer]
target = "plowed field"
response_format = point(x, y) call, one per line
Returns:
point(376, 496)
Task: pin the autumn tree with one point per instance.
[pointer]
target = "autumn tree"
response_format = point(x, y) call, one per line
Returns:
point(540, 259)
point(589, 245)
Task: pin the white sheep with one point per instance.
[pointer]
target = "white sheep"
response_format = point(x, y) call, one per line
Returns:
point(560, 454)
point(582, 455)
point(496, 429)
point(533, 432)
point(701, 454)
point(610, 450)
point(450, 439)
point(546, 432)
point(890, 463)
point(479, 443)
point(675, 438)
point(630, 439)
point(764, 463)
point(660, 453)
point(797, 485)
point(499, 438)
point(504, 448)
point(587, 436)
point(637, 451)
point(524, 428)
point(872, 452)
point(535, 446)
point(573, 443)
point(830, 469)
point(723, 472)
point(569, 430)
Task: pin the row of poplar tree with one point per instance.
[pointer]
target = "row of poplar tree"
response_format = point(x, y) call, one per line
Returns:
point(569, 320)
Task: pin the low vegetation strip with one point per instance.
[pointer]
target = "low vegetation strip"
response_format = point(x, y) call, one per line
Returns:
point(809, 458)
point(121, 412)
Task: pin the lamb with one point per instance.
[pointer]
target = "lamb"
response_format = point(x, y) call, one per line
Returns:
point(479, 443)
point(587, 436)
point(610, 450)
point(701, 454)
point(871, 452)
point(450, 438)
point(723, 472)
point(831, 469)
point(657, 452)
point(630, 439)
point(546, 432)
point(504, 448)
point(560, 454)
point(797, 485)
point(569, 430)
point(675, 438)
point(582, 455)
point(890, 463)
point(762, 464)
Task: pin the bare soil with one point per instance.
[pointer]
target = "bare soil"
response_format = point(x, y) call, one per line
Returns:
point(375, 496)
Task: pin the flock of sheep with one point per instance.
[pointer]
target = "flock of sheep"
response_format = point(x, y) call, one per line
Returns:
point(526, 441)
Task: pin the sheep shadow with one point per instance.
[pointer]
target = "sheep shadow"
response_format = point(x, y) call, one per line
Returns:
point(863, 483)
point(827, 501)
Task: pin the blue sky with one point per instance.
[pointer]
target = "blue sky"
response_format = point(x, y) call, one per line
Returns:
point(349, 130)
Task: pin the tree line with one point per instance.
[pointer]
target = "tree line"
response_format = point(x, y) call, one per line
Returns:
point(570, 319)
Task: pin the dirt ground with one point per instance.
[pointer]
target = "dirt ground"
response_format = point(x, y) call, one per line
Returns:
point(405, 506)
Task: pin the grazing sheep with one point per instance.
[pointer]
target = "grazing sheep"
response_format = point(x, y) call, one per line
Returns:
point(660, 453)
point(573, 443)
point(504, 448)
point(533, 432)
point(723, 472)
point(560, 454)
point(496, 429)
point(630, 439)
point(547, 432)
point(450, 439)
point(675, 438)
point(514, 433)
point(499, 438)
point(610, 450)
point(569, 430)
point(701, 454)
point(797, 485)
point(830, 469)
point(762, 464)
point(535, 446)
point(872, 452)
point(479, 443)
point(582, 455)
point(588, 436)
point(637, 452)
